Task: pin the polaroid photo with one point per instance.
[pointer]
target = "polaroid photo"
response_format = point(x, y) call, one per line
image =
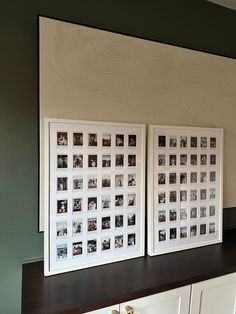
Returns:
point(173, 233)
point(119, 241)
point(183, 232)
point(106, 223)
point(212, 194)
point(92, 181)
point(120, 140)
point(212, 227)
point(212, 142)
point(173, 197)
point(106, 202)
point(173, 141)
point(131, 219)
point(106, 140)
point(61, 252)
point(162, 235)
point(172, 160)
point(62, 161)
point(106, 244)
point(119, 160)
point(119, 200)
point(193, 231)
point(212, 210)
point(77, 182)
point(202, 229)
point(61, 228)
point(172, 215)
point(203, 213)
point(172, 178)
point(77, 248)
point(77, 225)
point(132, 140)
point(92, 139)
point(92, 203)
point(161, 215)
point(193, 177)
point(92, 224)
point(106, 161)
point(193, 160)
point(161, 178)
point(183, 160)
point(212, 176)
point(131, 160)
point(119, 221)
point(183, 214)
point(193, 141)
point(183, 178)
point(77, 204)
point(62, 206)
point(131, 179)
point(203, 194)
point(62, 138)
point(203, 160)
point(203, 142)
point(78, 139)
point(193, 212)
point(183, 196)
point(193, 195)
point(161, 160)
point(161, 197)
point(131, 199)
point(62, 184)
point(78, 161)
point(119, 180)
point(91, 246)
point(183, 141)
point(203, 177)
point(161, 141)
point(131, 239)
point(106, 181)
point(92, 161)
point(212, 159)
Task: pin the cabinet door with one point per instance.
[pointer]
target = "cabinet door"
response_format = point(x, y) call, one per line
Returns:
point(170, 302)
point(106, 310)
point(214, 296)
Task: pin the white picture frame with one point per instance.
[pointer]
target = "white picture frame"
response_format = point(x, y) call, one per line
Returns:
point(185, 187)
point(94, 193)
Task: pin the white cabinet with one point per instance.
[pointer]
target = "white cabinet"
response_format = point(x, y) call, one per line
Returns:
point(107, 310)
point(174, 301)
point(214, 296)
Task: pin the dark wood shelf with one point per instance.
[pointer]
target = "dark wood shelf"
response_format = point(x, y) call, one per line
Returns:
point(93, 288)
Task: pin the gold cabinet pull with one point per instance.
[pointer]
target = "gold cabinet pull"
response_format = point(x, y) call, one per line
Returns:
point(114, 312)
point(129, 309)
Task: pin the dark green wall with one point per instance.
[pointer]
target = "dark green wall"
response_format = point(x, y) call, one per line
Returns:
point(195, 24)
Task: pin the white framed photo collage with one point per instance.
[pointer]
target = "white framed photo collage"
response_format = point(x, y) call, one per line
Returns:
point(96, 174)
point(94, 191)
point(185, 188)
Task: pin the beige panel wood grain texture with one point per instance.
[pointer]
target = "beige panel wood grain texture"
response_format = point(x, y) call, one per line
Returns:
point(89, 74)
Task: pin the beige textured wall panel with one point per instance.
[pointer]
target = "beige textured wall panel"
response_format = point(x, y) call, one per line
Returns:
point(90, 74)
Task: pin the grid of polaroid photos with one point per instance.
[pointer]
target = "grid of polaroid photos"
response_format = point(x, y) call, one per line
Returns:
point(187, 187)
point(95, 195)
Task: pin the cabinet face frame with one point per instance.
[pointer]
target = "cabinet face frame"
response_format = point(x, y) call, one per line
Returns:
point(162, 223)
point(98, 162)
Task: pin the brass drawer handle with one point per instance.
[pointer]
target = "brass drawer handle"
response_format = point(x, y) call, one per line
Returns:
point(114, 312)
point(129, 309)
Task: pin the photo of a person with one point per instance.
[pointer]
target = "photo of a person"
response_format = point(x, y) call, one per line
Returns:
point(78, 139)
